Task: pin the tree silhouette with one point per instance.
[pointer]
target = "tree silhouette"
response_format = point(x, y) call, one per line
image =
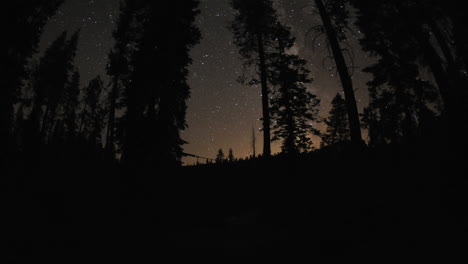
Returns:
point(254, 143)
point(70, 105)
point(399, 96)
point(336, 10)
point(92, 116)
point(21, 26)
point(460, 32)
point(337, 123)
point(254, 29)
point(124, 34)
point(56, 93)
point(154, 86)
point(44, 77)
point(220, 156)
point(231, 155)
point(370, 122)
point(293, 108)
point(50, 81)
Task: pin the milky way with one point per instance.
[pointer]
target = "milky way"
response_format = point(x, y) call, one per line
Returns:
point(221, 111)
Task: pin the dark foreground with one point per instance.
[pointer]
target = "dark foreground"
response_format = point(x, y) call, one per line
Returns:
point(382, 203)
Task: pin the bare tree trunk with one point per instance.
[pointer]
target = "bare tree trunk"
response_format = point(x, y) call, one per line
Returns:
point(353, 114)
point(111, 122)
point(253, 142)
point(265, 98)
point(35, 115)
point(82, 121)
point(44, 121)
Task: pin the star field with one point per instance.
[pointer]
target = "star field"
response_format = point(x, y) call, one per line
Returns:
point(95, 19)
point(221, 111)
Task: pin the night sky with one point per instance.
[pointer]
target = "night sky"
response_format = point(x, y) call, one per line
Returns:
point(221, 112)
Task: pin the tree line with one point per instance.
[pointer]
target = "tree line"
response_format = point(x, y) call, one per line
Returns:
point(407, 37)
point(138, 115)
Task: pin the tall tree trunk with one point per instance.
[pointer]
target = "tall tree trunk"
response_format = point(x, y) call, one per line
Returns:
point(34, 128)
point(253, 142)
point(164, 145)
point(133, 125)
point(111, 122)
point(265, 97)
point(372, 130)
point(82, 121)
point(45, 120)
point(353, 114)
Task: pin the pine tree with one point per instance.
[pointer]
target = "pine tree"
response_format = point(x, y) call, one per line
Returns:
point(399, 96)
point(154, 82)
point(70, 105)
point(50, 80)
point(220, 156)
point(293, 108)
point(254, 29)
point(125, 34)
point(230, 155)
point(21, 26)
point(56, 92)
point(92, 115)
point(44, 77)
point(337, 123)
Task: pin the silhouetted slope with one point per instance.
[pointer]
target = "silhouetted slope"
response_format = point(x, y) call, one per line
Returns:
point(399, 201)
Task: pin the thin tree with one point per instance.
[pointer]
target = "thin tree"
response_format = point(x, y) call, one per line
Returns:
point(254, 30)
point(254, 143)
